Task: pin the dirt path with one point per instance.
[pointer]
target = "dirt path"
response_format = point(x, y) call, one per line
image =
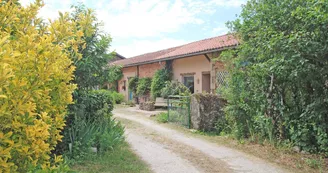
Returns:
point(167, 150)
point(160, 159)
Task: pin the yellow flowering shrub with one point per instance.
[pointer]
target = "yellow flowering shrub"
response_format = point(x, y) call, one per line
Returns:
point(35, 73)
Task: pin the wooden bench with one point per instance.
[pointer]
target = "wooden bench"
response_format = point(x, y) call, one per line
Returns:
point(160, 102)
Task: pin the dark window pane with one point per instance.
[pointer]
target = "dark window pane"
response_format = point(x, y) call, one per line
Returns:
point(188, 81)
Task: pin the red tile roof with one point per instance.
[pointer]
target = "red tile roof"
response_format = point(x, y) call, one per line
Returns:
point(202, 46)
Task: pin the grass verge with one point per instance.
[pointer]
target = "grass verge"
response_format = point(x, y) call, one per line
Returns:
point(279, 155)
point(162, 117)
point(120, 160)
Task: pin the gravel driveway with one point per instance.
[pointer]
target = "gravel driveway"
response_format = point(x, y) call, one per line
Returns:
point(167, 150)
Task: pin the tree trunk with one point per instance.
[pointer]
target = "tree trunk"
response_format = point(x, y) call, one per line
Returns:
point(269, 97)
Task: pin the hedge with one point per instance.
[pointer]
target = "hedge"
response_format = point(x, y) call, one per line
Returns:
point(35, 89)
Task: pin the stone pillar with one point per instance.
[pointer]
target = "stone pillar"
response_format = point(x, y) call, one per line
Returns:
point(206, 109)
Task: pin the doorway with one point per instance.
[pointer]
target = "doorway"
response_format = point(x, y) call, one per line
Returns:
point(130, 93)
point(206, 82)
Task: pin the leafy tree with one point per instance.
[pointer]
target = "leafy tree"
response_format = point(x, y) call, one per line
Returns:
point(278, 75)
point(114, 73)
point(93, 69)
point(91, 108)
point(35, 73)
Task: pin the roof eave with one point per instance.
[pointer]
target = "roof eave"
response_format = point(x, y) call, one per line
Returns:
point(180, 56)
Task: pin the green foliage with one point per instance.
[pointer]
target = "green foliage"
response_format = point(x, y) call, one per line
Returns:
point(158, 82)
point(84, 134)
point(114, 73)
point(121, 159)
point(89, 107)
point(315, 163)
point(133, 84)
point(95, 104)
point(178, 116)
point(93, 70)
point(278, 75)
point(118, 98)
point(222, 126)
point(143, 86)
point(162, 117)
point(109, 136)
point(35, 73)
point(174, 88)
point(62, 167)
point(89, 124)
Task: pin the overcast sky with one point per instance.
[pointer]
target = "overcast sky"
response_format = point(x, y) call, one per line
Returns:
point(142, 26)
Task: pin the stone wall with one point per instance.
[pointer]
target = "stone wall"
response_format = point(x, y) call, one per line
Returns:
point(206, 109)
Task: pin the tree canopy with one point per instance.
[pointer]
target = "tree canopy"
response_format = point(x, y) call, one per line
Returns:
point(278, 84)
point(93, 69)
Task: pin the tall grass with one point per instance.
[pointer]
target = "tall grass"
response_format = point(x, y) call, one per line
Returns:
point(86, 134)
point(90, 125)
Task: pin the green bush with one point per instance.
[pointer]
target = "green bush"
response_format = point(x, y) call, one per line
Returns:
point(174, 88)
point(89, 124)
point(158, 82)
point(114, 73)
point(84, 134)
point(143, 86)
point(36, 70)
point(96, 104)
point(277, 85)
point(222, 126)
point(118, 98)
point(133, 84)
point(109, 135)
point(162, 117)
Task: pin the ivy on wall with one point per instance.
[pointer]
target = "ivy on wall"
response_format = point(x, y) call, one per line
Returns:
point(158, 83)
point(133, 84)
point(143, 87)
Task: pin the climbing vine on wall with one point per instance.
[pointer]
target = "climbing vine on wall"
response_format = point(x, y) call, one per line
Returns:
point(143, 86)
point(158, 82)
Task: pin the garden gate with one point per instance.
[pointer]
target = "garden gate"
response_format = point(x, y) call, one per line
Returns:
point(178, 110)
